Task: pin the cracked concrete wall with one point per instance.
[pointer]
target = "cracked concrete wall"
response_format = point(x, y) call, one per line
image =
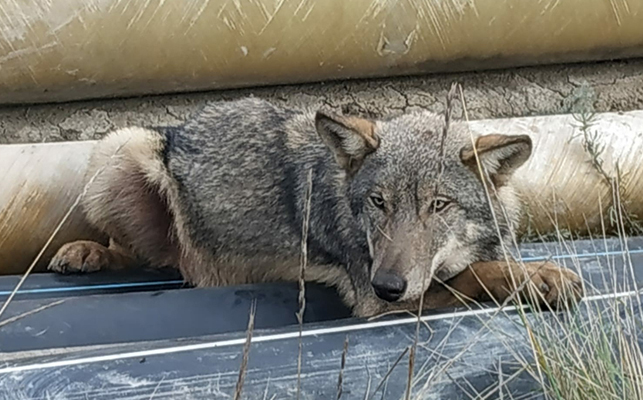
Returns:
point(609, 86)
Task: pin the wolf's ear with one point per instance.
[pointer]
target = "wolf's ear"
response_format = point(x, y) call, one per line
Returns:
point(500, 155)
point(350, 139)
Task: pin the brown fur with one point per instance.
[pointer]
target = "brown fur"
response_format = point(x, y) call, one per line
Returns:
point(491, 142)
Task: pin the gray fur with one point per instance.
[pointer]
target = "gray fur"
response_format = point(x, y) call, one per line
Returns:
point(237, 173)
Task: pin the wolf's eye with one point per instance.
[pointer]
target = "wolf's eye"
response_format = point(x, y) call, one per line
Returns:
point(438, 205)
point(377, 200)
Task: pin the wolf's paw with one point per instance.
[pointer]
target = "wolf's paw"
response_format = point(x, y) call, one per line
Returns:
point(557, 286)
point(80, 257)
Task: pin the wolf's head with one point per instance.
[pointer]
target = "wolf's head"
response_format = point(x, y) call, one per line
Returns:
point(425, 215)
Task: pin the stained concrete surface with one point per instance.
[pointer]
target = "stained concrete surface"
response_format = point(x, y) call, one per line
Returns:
point(606, 86)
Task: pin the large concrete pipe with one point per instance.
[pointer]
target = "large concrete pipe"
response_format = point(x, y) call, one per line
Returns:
point(73, 49)
point(40, 183)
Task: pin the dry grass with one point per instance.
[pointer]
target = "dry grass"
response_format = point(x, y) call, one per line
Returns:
point(621, 219)
point(342, 365)
point(388, 373)
point(593, 353)
point(592, 357)
point(36, 310)
point(302, 273)
point(246, 352)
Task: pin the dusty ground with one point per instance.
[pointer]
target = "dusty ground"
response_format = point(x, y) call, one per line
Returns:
point(616, 86)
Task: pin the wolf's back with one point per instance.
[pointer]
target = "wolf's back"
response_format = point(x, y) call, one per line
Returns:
point(236, 176)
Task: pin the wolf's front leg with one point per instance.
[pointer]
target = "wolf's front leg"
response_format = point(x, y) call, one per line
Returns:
point(536, 282)
point(497, 280)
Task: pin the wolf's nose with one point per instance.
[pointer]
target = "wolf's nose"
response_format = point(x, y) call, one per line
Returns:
point(388, 286)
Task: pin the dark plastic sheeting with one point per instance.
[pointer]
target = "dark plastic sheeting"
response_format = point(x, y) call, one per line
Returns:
point(202, 334)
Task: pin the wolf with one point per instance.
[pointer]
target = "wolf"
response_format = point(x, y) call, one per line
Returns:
point(393, 209)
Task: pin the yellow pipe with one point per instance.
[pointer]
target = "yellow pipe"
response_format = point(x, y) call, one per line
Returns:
point(73, 49)
point(40, 184)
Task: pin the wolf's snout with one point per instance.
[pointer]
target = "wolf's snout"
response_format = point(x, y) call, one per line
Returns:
point(388, 285)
